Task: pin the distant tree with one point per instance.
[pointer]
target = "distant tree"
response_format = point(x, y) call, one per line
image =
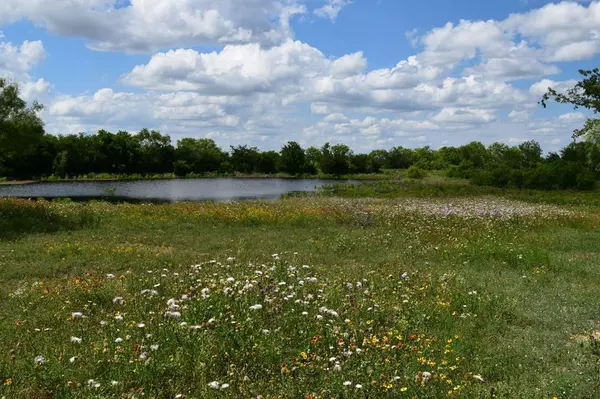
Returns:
point(156, 152)
point(401, 158)
point(474, 152)
point(359, 163)
point(268, 162)
point(21, 129)
point(198, 156)
point(292, 158)
point(244, 159)
point(531, 152)
point(335, 160)
point(378, 159)
point(312, 160)
point(449, 155)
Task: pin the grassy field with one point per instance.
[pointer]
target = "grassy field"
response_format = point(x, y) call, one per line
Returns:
point(422, 293)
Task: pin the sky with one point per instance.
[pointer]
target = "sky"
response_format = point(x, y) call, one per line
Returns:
point(367, 73)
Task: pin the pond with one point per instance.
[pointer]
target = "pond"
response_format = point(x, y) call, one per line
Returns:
point(214, 189)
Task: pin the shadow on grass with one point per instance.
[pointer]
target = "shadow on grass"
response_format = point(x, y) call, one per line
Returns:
point(22, 217)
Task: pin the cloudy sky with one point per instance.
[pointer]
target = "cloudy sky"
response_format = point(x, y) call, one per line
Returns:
point(368, 73)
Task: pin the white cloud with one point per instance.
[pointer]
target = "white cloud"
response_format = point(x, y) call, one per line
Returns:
point(331, 9)
point(538, 89)
point(465, 116)
point(566, 31)
point(16, 61)
point(145, 25)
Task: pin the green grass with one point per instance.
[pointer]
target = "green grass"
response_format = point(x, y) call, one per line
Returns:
point(494, 288)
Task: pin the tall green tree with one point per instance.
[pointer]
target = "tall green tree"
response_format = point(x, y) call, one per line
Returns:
point(292, 159)
point(585, 94)
point(21, 129)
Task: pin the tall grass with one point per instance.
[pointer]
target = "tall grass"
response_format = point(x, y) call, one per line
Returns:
point(19, 217)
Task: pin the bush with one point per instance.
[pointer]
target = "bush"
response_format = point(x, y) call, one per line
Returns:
point(414, 172)
point(585, 180)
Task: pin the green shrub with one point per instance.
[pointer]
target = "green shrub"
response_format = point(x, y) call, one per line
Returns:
point(414, 172)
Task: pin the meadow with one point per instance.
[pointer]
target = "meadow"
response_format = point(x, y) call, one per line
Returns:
point(422, 292)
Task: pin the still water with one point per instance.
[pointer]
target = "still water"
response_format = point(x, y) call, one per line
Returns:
point(218, 189)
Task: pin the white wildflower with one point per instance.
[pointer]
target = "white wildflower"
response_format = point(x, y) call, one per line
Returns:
point(76, 315)
point(214, 385)
point(39, 360)
point(256, 307)
point(76, 340)
point(347, 383)
point(118, 300)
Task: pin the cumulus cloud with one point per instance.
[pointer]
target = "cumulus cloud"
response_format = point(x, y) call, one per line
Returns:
point(17, 61)
point(567, 31)
point(146, 25)
point(331, 9)
point(262, 85)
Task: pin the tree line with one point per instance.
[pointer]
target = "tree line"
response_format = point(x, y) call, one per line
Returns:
point(26, 152)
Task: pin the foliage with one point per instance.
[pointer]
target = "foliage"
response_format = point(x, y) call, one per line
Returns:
point(415, 172)
point(292, 159)
point(20, 127)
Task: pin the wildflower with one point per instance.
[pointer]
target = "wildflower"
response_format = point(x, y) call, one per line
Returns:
point(110, 276)
point(103, 322)
point(143, 356)
point(230, 279)
point(319, 317)
point(114, 383)
point(140, 325)
point(266, 332)
point(172, 315)
point(149, 292)
point(76, 315)
point(404, 276)
point(214, 385)
point(119, 340)
point(256, 307)
point(358, 386)
point(337, 367)
point(478, 377)
point(230, 259)
point(154, 347)
point(347, 383)
point(119, 317)
point(403, 389)
point(118, 300)
point(76, 340)
point(224, 386)
point(93, 384)
point(8, 381)
point(72, 360)
point(38, 360)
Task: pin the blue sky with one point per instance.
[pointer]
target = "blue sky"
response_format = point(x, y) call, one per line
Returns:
point(369, 73)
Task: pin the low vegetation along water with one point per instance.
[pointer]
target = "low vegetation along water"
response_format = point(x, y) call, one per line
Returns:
point(215, 189)
point(478, 296)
